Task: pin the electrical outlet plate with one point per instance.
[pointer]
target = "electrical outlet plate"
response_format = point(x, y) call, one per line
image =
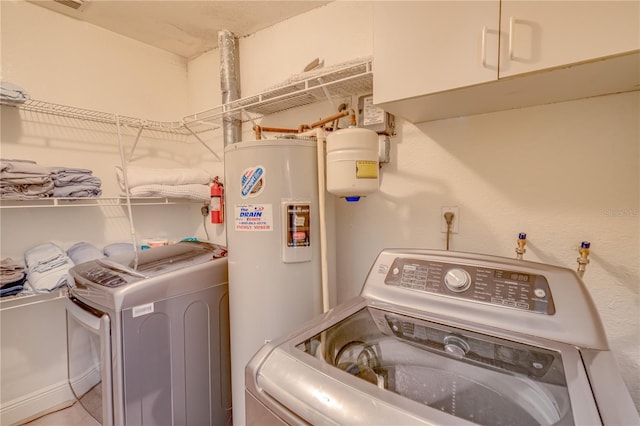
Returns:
point(455, 225)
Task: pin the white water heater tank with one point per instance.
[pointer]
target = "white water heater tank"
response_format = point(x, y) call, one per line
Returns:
point(352, 163)
point(273, 236)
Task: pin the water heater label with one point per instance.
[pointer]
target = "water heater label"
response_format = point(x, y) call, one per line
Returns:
point(252, 181)
point(298, 226)
point(253, 217)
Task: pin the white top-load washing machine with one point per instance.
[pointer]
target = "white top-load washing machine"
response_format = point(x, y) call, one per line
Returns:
point(446, 338)
point(148, 336)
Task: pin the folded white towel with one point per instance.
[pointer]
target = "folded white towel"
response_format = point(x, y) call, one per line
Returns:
point(14, 167)
point(47, 266)
point(147, 176)
point(83, 252)
point(191, 191)
point(12, 93)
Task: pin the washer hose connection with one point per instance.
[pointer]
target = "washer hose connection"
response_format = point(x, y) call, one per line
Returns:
point(448, 217)
point(583, 259)
point(522, 241)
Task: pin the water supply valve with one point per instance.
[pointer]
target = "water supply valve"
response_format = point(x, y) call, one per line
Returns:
point(522, 241)
point(583, 259)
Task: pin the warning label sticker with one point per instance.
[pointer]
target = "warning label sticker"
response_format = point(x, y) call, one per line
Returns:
point(372, 114)
point(252, 183)
point(253, 217)
point(366, 169)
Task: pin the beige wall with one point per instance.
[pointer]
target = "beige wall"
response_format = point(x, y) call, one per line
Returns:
point(63, 60)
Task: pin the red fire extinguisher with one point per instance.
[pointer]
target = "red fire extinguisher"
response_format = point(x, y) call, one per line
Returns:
point(217, 201)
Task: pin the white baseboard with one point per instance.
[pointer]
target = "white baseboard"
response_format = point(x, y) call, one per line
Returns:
point(83, 382)
point(36, 404)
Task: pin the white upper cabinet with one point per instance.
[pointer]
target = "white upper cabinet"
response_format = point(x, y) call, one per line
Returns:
point(430, 46)
point(547, 34)
point(441, 59)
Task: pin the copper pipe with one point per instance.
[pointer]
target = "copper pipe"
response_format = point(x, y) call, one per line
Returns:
point(305, 127)
point(350, 112)
point(259, 129)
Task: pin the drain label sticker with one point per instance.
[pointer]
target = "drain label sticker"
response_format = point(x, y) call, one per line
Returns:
point(141, 310)
point(253, 217)
point(252, 181)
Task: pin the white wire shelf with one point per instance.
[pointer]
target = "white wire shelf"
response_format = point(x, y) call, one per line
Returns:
point(355, 78)
point(92, 202)
point(27, 298)
point(304, 89)
point(174, 127)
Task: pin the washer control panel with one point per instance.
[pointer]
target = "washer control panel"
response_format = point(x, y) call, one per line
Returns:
point(105, 277)
point(513, 289)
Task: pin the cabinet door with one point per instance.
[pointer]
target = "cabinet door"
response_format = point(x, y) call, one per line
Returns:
point(546, 34)
point(427, 47)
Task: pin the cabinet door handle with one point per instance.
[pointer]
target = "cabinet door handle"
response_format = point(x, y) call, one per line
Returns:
point(483, 48)
point(511, 21)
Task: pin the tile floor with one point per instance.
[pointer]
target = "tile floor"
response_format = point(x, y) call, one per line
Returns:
point(74, 415)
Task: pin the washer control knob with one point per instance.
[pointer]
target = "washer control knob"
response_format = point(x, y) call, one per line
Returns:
point(456, 346)
point(457, 280)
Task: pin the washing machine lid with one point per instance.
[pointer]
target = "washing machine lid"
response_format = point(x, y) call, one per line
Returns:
point(127, 268)
point(160, 260)
point(121, 281)
point(376, 366)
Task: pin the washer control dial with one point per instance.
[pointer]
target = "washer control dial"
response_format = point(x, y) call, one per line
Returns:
point(456, 346)
point(457, 279)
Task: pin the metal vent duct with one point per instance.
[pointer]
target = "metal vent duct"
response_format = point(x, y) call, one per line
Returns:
point(229, 85)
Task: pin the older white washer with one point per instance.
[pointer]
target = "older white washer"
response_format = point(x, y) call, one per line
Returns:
point(446, 338)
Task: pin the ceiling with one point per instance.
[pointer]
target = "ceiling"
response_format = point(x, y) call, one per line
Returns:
point(185, 27)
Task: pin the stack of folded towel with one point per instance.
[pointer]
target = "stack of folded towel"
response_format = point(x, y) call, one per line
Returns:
point(172, 183)
point(117, 248)
point(83, 252)
point(24, 180)
point(11, 94)
point(12, 277)
point(47, 266)
point(75, 182)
